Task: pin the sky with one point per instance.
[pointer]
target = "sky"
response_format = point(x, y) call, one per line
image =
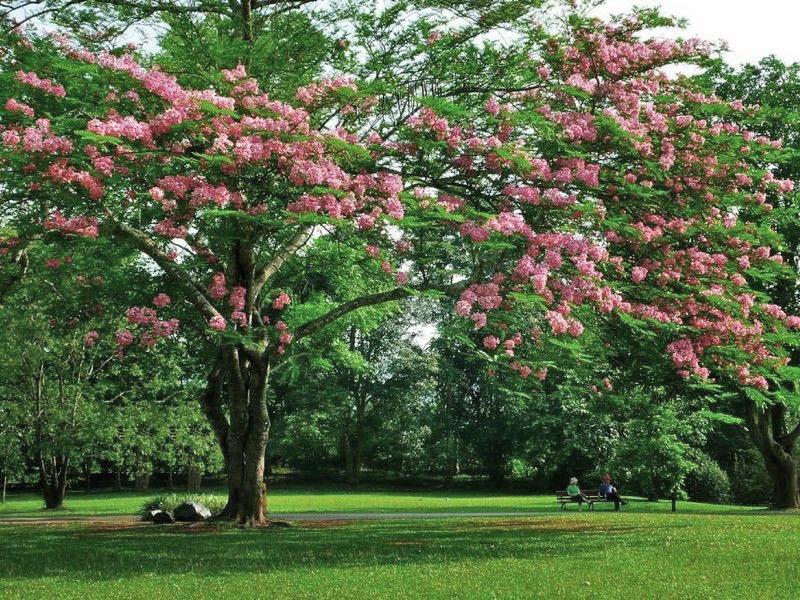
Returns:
point(752, 29)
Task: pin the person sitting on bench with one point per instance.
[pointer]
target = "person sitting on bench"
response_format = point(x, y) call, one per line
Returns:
point(575, 493)
point(610, 493)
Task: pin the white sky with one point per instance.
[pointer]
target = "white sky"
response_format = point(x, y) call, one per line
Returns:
point(752, 28)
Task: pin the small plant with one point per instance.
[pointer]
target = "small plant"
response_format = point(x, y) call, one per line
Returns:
point(213, 502)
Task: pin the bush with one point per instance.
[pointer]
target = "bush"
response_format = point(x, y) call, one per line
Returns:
point(707, 482)
point(213, 502)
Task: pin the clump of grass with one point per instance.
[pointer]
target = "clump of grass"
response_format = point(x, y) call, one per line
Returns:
point(213, 502)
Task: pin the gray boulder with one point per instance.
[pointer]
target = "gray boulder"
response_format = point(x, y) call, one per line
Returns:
point(158, 516)
point(191, 512)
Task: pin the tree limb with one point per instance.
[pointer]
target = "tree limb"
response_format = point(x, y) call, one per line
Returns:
point(294, 246)
point(142, 242)
point(340, 311)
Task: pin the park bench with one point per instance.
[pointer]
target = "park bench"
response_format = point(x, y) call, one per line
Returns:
point(593, 497)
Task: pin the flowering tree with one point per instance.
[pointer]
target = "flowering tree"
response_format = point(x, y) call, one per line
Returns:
point(773, 421)
point(588, 181)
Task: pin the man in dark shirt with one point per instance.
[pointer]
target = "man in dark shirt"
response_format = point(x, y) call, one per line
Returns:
point(609, 492)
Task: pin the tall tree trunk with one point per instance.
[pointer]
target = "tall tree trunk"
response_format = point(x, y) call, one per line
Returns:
point(3, 484)
point(194, 477)
point(53, 479)
point(243, 436)
point(785, 478)
point(352, 458)
point(767, 427)
point(87, 474)
point(141, 481)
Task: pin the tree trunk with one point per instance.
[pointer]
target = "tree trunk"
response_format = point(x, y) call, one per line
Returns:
point(53, 479)
point(767, 427)
point(243, 436)
point(3, 484)
point(141, 481)
point(170, 480)
point(87, 474)
point(194, 478)
point(118, 484)
point(785, 479)
point(352, 458)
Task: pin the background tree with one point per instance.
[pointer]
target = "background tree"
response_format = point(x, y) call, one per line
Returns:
point(773, 419)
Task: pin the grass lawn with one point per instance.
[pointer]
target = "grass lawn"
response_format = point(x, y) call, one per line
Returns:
point(291, 499)
point(604, 554)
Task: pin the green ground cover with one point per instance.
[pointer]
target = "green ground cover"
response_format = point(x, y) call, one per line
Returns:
point(627, 555)
point(291, 499)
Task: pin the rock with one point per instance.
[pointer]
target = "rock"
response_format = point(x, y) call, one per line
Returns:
point(158, 516)
point(162, 517)
point(191, 512)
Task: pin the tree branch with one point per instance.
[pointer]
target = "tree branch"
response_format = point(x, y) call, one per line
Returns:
point(340, 311)
point(294, 246)
point(142, 242)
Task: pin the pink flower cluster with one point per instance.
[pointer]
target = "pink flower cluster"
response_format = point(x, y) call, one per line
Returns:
point(61, 172)
point(685, 358)
point(313, 93)
point(16, 105)
point(46, 85)
point(282, 301)
point(80, 225)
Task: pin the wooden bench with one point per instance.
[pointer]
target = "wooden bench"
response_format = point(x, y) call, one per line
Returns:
point(592, 497)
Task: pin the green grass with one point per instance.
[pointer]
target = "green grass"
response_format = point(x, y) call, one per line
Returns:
point(603, 555)
point(291, 499)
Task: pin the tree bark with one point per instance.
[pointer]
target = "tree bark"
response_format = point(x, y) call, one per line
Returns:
point(3, 484)
point(53, 479)
point(243, 436)
point(141, 481)
point(194, 478)
point(352, 458)
point(768, 430)
point(87, 474)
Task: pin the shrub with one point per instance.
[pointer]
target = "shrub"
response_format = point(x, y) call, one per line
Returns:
point(707, 482)
point(213, 502)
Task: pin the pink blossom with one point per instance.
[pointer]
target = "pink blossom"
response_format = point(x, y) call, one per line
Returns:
point(123, 338)
point(218, 289)
point(638, 274)
point(15, 105)
point(282, 301)
point(238, 298)
point(91, 339)
point(33, 80)
point(491, 342)
point(218, 323)
point(162, 301)
point(492, 106)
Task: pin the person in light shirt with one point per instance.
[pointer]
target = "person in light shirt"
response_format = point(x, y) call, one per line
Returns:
point(575, 493)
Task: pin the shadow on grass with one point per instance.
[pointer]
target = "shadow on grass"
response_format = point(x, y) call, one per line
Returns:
point(31, 552)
